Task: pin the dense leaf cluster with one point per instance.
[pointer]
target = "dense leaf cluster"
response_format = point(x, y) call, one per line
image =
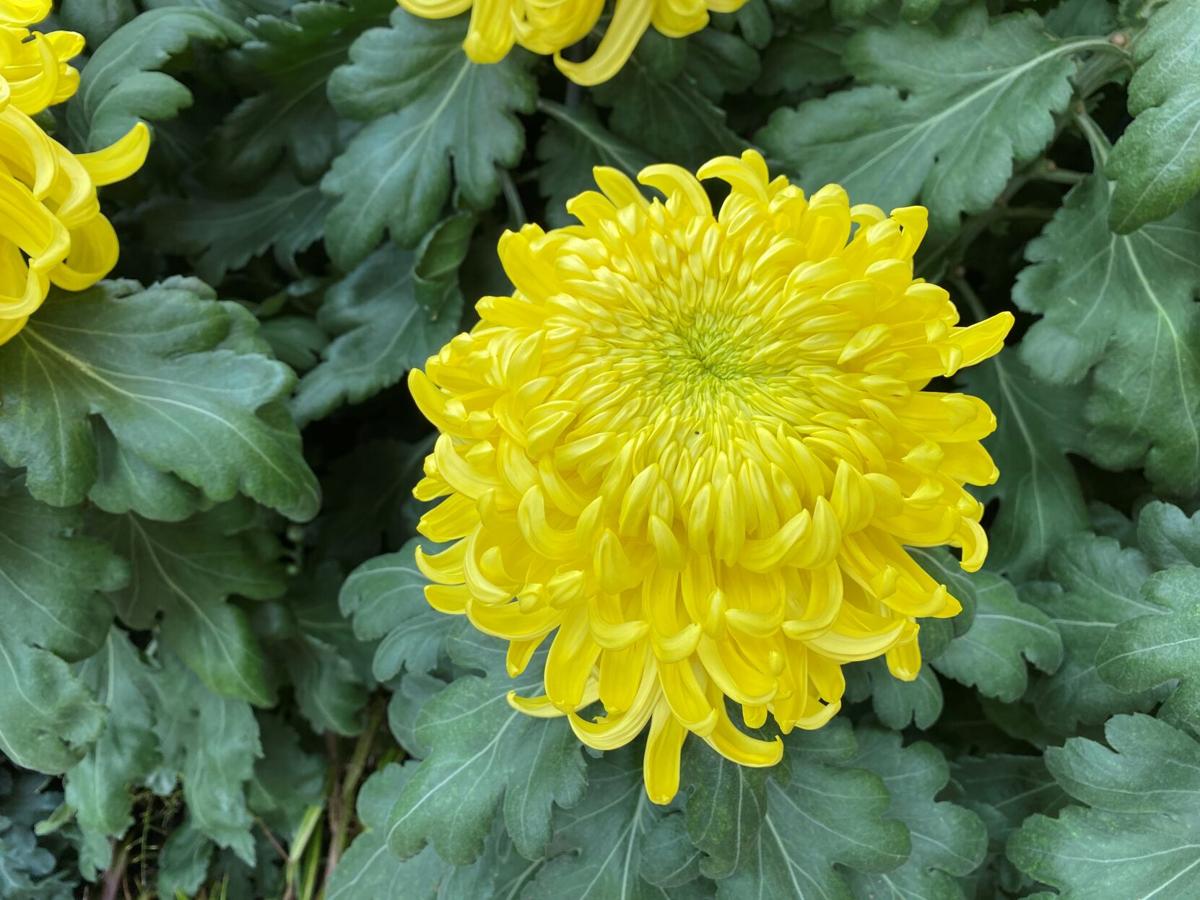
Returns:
point(217, 669)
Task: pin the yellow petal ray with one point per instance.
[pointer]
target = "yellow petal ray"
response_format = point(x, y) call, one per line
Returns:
point(630, 20)
point(661, 762)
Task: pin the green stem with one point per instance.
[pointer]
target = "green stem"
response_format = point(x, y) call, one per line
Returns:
point(1096, 138)
point(1062, 176)
point(516, 209)
point(1101, 68)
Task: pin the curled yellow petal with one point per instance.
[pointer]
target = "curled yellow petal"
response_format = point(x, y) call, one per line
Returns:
point(551, 26)
point(120, 160)
point(661, 762)
point(51, 227)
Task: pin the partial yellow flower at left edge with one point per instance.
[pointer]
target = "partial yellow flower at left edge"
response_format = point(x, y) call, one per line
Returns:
point(551, 26)
point(51, 227)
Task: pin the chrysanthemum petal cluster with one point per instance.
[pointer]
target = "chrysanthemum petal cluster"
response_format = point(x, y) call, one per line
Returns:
point(691, 448)
point(551, 26)
point(51, 228)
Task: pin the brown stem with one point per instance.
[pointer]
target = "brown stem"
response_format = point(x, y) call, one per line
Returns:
point(115, 876)
point(335, 809)
point(271, 837)
point(344, 799)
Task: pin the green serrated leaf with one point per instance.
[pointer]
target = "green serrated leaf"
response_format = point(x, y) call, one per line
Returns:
point(370, 869)
point(824, 819)
point(1125, 306)
point(29, 870)
point(96, 19)
point(1005, 633)
point(1088, 283)
point(427, 105)
point(1137, 835)
point(183, 861)
point(295, 340)
point(150, 363)
point(221, 235)
point(603, 838)
point(237, 10)
point(50, 578)
point(803, 58)
point(948, 841)
point(726, 806)
point(1153, 646)
point(721, 63)
point(896, 703)
point(287, 779)
point(1156, 163)
point(669, 859)
point(47, 713)
point(122, 84)
point(947, 132)
point(210, 744)
point(482, 754)
point(409, 698)
point(910, 10)
point(127, 483)
point(289, 59)
point(1101, 586)
point(1168, 536)
point(53, 611)
point(386, 319)
point(386, 599)
point(98, 787)
point(753, 20)
point(184, 575)
point(310, 641)
point(1041, 501)
point(1074, 18)
point(1004, 790)
point(1153, 649)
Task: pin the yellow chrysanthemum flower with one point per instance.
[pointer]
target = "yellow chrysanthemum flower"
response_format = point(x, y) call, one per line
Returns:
point(695, 447)
point(51, 228)
point(550, 26)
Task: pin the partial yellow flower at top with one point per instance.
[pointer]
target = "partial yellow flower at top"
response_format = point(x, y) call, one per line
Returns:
point(551, 26)
point(51, 228)
point(694, 447)
point(23, 12)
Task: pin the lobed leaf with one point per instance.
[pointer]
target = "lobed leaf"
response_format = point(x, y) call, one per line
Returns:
point(1156, 162)
point(186, 574)
point(152, 365)
point(386, 317)
point(222, 235)
point(1005, 632)
point(947, 134)
point(122, 82)
point(1137, 835)
point(1041, 500)
point(289, 59)
point(429, 109)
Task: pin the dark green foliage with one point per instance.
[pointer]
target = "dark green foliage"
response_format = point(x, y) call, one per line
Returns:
point(212, 628)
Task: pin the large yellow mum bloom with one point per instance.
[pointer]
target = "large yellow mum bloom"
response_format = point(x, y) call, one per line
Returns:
point(51, 229)
point(550, 26)
point(694, 447)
